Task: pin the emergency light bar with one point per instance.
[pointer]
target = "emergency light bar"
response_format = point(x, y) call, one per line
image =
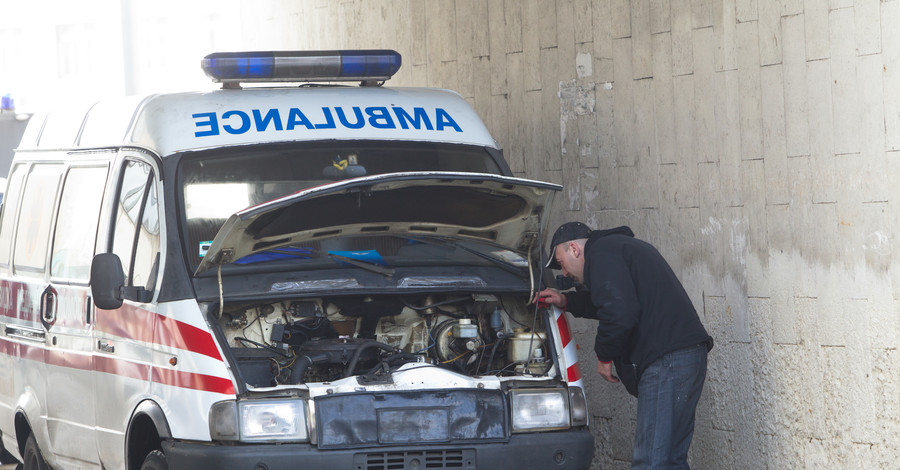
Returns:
point(301, 66)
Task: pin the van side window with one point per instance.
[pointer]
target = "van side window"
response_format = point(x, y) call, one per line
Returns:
point(76, 224)
point(10, 209)
point(136, 231)
point(33, 230)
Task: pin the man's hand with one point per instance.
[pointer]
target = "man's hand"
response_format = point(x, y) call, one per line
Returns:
point(552, 297)
point(605, 369)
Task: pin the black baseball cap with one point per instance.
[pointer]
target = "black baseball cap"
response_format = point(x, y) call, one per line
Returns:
point(565, 233)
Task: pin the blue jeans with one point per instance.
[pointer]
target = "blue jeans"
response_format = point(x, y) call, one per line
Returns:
point(668, 393)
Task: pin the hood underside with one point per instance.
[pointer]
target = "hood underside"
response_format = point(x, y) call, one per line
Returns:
point(496, 209)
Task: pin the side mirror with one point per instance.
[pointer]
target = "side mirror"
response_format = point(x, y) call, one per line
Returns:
point(107, 279)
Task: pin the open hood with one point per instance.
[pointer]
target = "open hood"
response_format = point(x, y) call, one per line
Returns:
point(496, 209)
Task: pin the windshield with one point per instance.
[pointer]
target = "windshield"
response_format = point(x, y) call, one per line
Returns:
point(217, 183)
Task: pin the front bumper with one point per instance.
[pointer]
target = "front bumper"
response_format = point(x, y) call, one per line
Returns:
point(551, 450)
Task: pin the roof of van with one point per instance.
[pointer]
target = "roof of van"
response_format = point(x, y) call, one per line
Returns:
point(170, 123)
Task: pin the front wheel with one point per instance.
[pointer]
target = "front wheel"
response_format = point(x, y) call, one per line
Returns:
point(155, 460)
point(32, 456)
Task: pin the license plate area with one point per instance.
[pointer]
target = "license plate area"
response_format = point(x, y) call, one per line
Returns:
point(365, 419)
point(406, 425)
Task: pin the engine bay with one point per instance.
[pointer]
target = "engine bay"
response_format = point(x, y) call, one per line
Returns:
point(297, 341)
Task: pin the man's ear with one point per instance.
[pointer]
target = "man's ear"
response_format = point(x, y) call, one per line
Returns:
point(576, 249)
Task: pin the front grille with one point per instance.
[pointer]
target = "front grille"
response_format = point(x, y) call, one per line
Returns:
point(433, 417)
point(432, 459)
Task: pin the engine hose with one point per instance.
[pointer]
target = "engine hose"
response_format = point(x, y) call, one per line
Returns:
point(298, 370)
point(402, 356)
point(500, 339)
point(351, 366)
point(388, 363)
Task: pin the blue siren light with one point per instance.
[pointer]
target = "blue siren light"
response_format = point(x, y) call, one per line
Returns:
point(301, 66)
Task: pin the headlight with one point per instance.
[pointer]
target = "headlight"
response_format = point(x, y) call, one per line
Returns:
point(259, 420)
point(534, 410)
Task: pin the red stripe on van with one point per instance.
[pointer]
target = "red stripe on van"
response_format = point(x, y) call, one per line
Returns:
point(16, 303)
point(111, 365)
point(573, 373)
point(207, 383)
point(142, 325)
point(185, 336)
point(564, 335)
point(119, 367)
point(69, 359)
point(30, 353)
point(127, 322)
point(7, 347)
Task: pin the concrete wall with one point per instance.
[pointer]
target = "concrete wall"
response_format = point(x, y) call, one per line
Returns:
point(755, 142)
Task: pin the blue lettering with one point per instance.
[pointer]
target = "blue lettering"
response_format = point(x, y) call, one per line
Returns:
point(379, 118)
point(359, 118)
point(262, 123)
point(419, 117)
point(210, 122)
point(444, 119)
point(329, 121)
point(245, 122)
point(297, 117)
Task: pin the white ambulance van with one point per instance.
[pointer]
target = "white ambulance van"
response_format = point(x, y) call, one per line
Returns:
point(284, 273)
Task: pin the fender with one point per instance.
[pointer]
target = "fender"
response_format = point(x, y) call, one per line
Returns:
point(148, 411)
point(153, 411)
point(28, 411)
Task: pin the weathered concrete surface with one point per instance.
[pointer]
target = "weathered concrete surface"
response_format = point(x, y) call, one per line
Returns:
point(755, 142)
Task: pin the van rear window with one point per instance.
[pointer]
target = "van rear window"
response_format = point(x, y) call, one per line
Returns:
point(33, 230)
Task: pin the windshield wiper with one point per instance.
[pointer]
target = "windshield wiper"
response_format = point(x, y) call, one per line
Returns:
point(506, 265)
point(275, 254)
point(387, 272)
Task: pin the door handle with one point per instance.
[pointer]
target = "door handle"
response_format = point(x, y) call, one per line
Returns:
point(48, 307)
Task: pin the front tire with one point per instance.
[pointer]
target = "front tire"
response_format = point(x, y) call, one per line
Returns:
point(155, 460)
point(32, 455)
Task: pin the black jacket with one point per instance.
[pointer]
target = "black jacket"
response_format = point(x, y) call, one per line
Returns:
point(642, 309)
